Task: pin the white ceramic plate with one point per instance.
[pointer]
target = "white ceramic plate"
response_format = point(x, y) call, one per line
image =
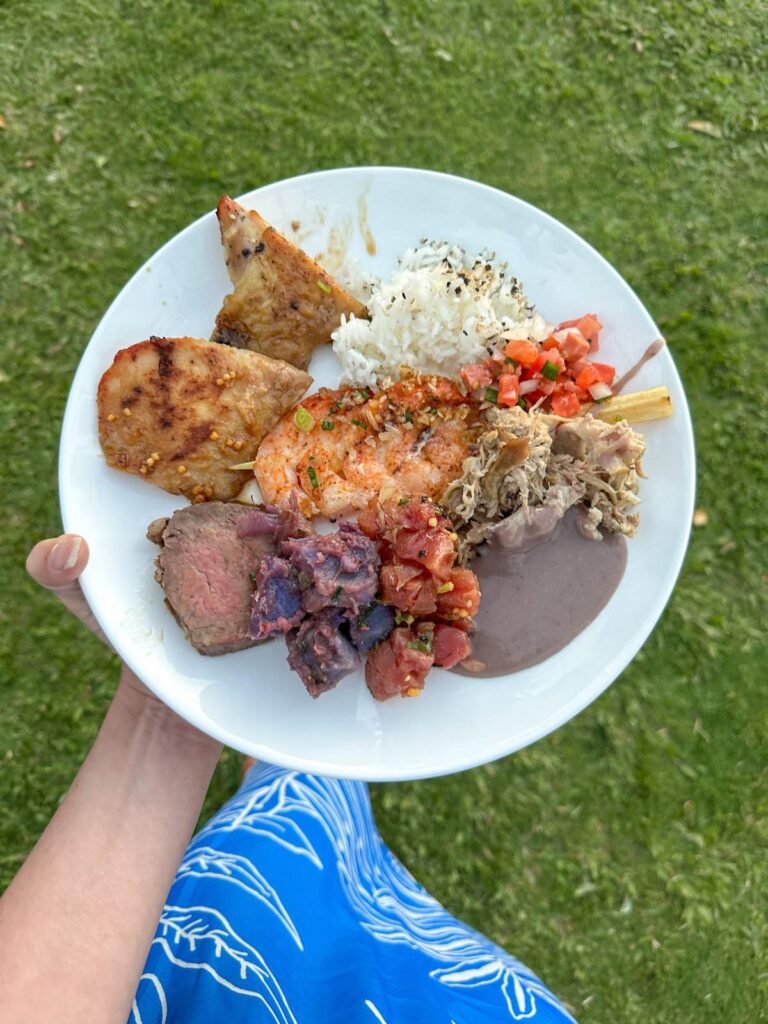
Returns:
point(251, 700)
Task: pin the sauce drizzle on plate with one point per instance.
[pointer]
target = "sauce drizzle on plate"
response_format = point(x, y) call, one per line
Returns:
point(536, 599)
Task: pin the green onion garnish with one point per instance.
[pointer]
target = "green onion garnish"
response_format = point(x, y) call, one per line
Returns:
point(403, 501)
point(365, 614)
point(312, 476)
point(336, 595)
point(358, 423)
point(522, 403)
point(420, 645)
point(363, 394)
point(303, 419)
point(324, 287)
point(550, 370)
point(327, 424)
point(408, 416)
point(491, 395)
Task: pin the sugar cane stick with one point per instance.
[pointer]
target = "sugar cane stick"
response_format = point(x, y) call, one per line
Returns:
point(637, 407)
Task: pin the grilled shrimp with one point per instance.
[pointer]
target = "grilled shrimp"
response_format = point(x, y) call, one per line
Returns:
point(410, 438)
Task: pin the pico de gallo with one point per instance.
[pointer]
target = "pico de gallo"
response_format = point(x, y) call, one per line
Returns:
point(554, 375)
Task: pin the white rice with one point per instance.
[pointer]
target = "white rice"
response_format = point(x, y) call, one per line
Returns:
point(438, 312)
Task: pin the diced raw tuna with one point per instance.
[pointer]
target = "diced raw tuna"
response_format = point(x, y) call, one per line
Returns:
point(450, 645)
point(463, 600)
point(408, 588)
point(398, 665)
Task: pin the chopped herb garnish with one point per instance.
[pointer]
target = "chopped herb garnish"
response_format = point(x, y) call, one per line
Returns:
point(522, 403)
point(303, 419)
point(358, 423)
point(327, 424)
point(403, 501)
point(364, 394)
point(408, 416)
point(312, 476)
point(402, 618)
point(336, 594)
point(550, 370)
point(324, 287)
point(365, 614)
point(491, 395)
point(445, 588)
point(420, 645)
point(335, 407)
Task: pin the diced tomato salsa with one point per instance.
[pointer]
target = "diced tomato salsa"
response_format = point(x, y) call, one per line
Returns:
point(554, 375)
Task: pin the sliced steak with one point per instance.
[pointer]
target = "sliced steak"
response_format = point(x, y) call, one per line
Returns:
point(207, 570)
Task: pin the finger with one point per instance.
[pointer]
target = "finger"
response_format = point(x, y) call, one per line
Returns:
point(56, 565)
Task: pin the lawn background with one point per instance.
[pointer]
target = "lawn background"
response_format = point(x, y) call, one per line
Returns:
point(624, 857)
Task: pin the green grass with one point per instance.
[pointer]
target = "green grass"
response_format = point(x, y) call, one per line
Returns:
point(625, 858)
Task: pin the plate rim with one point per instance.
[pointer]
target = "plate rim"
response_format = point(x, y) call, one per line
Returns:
point(366, 770)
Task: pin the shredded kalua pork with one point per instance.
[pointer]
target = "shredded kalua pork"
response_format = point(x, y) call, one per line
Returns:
point(527, 469)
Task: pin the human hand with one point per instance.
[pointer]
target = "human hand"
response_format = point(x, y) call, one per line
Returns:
point(57, 565)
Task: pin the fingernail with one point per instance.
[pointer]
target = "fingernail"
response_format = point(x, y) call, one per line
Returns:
point(64, 554)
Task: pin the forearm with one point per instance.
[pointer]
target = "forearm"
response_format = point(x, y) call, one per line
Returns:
point(76, 923)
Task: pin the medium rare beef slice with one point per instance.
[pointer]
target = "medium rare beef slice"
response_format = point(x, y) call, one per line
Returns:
point(320, 652)
point(279, 522)
point(207, 571)
point(339, 570)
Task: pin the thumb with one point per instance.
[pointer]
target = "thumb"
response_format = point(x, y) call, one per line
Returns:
point(57, 564)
